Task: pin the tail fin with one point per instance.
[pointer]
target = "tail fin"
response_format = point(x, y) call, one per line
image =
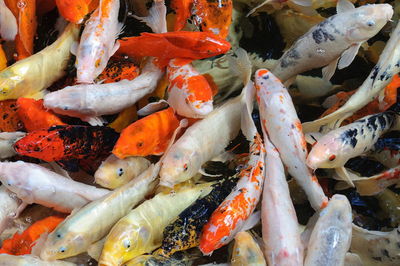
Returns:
point(241, 65)
point(156, 19)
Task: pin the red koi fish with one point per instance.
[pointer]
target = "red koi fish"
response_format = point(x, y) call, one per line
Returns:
point(147, 136)
point(67, 143)
point(75, 10)
point(35, 116)
point(230, 216)
point(21, 244)
point(189, 93)
point(9, 119)
point(169, 45)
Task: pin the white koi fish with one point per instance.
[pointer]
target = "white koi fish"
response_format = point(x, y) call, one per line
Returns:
point(280, 230)
point(331, 236)
point(334, 41)
point(10, 207)
point(97, 42)
point(33, 183)
point(279, 119)
point(30, 260)
point(8, 23)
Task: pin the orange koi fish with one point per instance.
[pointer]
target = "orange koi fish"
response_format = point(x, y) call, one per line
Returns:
point(35, 116)
point(230, 216)
point(118, 69)
point(182, 10)
point(169, 45)
point(189, 92)
point(75, 10)
point(25, 12)
point(67, 142)
point(9, 119)
point(21, 244)
point(147, 136)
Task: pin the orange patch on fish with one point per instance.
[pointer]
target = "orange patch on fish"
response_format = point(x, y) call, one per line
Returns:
point(3, 59)
point(182, 9)
point(9, 119)
point(75, 10)
point(35, 116)
point(147, 136)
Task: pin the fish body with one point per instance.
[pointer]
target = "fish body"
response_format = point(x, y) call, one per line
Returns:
point(331, 236)
point(33, 183)
point(119, 68)
point(8, 23)
point(141, 231)
point(93, 221)
point(189, 93)
point(21, 244)
point(115, 172)
point(9, 207)
point(201, 142)
point(184, 232)
point(279, 119)
point(29, 260)
point(29, 77)
point(246, 251)
point(280, 230)
point(387, 151)
point(74, 10)
point(87, 101)
point(339, 36)
point(182, 9)
point(230, 217)
point(169, 45)
point(147, 136)
point(67, 142)
point(35, 116)
point(336, 147)
point(97, 42)
point(10, 120)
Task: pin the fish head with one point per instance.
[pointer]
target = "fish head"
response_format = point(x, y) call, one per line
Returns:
point(62, 244)
point(13, 179)
point(326, 153)
point(124, 242)
point(265, 82)
point(367, 21)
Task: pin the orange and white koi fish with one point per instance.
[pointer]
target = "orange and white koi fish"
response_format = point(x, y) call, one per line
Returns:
point(10, 207)
point(35, 116)
point(75, 10)
point(147, 136)
point(373, 86)
point(331, 236)
point(8, 23)
point(334, 41)
point(97, 42)
point(21, 244)
point(33, 183)
point(281, 236)
point(230, 217)
point(189, 92)
point(279, 119)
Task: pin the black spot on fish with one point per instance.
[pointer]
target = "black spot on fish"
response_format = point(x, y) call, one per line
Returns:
point(350, 137)
point(321, 35)
point(375, 71)
point(265, 77)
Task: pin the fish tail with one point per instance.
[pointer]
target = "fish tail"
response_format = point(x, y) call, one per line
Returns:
point(241, 65)
point(156, 19)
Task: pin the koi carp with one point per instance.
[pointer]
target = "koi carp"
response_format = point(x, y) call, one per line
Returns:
point(9, 119)
point(10, 207)
point(189, 93)
point(33, 183)
point(75, 10)
point(6, 259)
point(334, 41)
point(21, 244)
point(67, 142)
point(147, 136)
point(97, 42)
point(8, 23)
point(31, 76)
point(279, 120)
point(34, 116)
point(246, 251)
point(115, 172)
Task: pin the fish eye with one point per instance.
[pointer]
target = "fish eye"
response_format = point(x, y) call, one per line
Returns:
point(332, 157)
point(224, 239)
point(120, 172)
point(127, 243)
point(139, 144)
point(370, 23)
point(62, 249)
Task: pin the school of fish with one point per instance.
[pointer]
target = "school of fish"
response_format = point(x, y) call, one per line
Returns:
point(199, 132)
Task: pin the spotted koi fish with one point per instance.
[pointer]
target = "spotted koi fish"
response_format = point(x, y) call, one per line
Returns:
point(387, 151)
point(9, 119)
point(279, 119)
point(336, 147)
point(169, 45)
point(147, 136)
point(119, 68)
point(231, 215)
point(334, 41)
point(23, 243)
point(97, 42)
point(189, 93)
point(67, 142)
point(184, 232)
point(75, 10)
point(35, 116)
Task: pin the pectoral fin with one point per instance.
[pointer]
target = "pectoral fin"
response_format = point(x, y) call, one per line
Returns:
point(348, 56)
point(344, 175)
point(329, 70)
point(343, 6)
